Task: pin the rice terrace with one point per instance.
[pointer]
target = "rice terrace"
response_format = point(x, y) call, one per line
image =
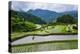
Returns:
point(42, 26)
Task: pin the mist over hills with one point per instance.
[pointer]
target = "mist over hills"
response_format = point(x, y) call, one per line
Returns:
point(50, 16)
point(46, 15)
point(72, 13)
point(40, 16)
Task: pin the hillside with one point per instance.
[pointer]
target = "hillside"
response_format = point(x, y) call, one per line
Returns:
point(27, 17)
point(46, 15)
point(23, 22)
point(50, 16)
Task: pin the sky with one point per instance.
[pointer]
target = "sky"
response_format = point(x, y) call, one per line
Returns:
point(25, 6)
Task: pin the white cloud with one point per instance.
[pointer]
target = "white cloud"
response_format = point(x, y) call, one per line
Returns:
point(16, 5)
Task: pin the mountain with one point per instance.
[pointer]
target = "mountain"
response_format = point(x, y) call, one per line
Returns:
point(50, 16)
point(72, 13)
point(27, 17)
point(46, 15)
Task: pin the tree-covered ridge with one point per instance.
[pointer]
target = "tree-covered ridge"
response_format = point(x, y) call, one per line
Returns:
point(25, 22)
point(21, 21)
point(67, 19)
point(27, 17)
point(49, 16)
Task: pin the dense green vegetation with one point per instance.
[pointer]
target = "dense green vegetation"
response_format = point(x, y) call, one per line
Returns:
point(66, 19)
point(43, 29)
point(24, 24)
point(53, 30)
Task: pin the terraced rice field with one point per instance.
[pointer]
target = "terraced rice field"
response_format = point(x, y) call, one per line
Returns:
point(50, 46)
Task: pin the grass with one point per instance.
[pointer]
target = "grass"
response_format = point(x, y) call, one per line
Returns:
point(51, 30)
point(45, 46)
point(59, 29)
point(48, 46)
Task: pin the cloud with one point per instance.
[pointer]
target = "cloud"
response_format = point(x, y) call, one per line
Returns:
point(25, 6)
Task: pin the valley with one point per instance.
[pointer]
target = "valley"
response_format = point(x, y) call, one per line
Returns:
point(44, 29)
